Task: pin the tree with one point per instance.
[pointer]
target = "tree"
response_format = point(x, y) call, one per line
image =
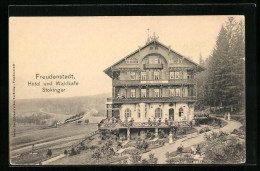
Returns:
point(226, 65)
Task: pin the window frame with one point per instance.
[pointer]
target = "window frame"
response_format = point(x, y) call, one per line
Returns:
point(177, 75)
point(155, 92)
point(128, 113)
point(178, 90)
point(133, 92)
point(172, 73)
point(143, 91)
point(143, 75)
point(180, 111)
point(157, 75)
point(134, 74)
point(158, 113)
point(172, 92)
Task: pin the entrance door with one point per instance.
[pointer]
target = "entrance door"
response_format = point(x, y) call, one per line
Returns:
point(171, 114)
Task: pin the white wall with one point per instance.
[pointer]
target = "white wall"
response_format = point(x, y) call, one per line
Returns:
point(188, 111)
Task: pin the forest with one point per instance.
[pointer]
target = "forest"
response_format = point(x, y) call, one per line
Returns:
point(222, 85)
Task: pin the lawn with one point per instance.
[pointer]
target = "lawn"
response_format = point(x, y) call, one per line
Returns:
point(56, 139)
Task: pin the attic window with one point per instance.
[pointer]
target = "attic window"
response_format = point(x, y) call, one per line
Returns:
point(171, 60)
point(132, 61)
point(179, 60)
point(151, 48)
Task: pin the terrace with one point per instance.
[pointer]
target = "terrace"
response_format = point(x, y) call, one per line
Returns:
point(152, 99)
point(113, 123)
point(153, 82)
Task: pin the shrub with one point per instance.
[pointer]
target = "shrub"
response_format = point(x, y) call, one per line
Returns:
point(96, 155)
point(135, 159)
point(73, 152)
point(49, 152)
point(65, 152)
point(180, 149)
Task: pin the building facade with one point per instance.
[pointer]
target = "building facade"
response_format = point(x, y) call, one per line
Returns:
point(153, 84)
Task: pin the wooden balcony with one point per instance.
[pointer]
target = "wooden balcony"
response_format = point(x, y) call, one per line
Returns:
point(153, 66)
point(153, 82)
point(153, 99)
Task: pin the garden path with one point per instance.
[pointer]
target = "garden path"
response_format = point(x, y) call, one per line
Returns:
point(189, 140)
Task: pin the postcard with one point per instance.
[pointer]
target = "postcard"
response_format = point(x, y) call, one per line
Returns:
point(127, 90)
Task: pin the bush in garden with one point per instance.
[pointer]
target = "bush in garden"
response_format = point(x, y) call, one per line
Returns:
point(49, 152)
point(135, 159)
point(65, 152)
point(96, 155)
point(161, 134)
point(180, 149)
point(73, 152)
point(230, 152)
point(144, 161)
point(152, 159)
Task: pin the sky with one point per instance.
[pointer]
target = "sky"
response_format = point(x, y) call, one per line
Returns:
point(85, 46)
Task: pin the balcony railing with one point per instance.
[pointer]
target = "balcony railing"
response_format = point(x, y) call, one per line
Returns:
point(153, 99)
point(153, 82)
point(153, 66)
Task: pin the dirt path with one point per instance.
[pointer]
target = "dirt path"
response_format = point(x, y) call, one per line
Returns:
point(189, 140)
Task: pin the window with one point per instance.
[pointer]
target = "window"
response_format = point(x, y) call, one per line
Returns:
point(156, 93)
point(179, 60)
point(143, 75)
point(171, 60)
point(156, 47)
point(132, 61)
point(172, 92)
point(150, 60)
point(143, 92)
point(180, 112)
point(132, 92)
point(171, 75)
point(156, 61)
point(156, 75)
point(178, 92)
point(177, 75)
point(132, 75)
point(127, 113)
point(138, 113)
point(151, 48)
point(158, 113)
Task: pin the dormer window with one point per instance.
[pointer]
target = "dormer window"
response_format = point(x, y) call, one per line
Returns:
point(131, 61)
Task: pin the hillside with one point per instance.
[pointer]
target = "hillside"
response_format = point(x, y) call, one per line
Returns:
point(67, 106)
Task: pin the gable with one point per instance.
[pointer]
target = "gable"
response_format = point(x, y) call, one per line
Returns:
point(136, 59)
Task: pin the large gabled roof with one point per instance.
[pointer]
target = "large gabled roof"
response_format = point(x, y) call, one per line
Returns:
point(108, 70)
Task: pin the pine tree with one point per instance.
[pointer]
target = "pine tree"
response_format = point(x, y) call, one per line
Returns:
point(226, 67)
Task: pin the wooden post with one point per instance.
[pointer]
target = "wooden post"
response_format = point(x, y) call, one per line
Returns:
point(156, 132)
point(128, 134)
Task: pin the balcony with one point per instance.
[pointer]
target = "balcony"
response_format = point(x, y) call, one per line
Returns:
point(153, 66)
point(182, 81)
point(153, 82)
point(153, 99)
